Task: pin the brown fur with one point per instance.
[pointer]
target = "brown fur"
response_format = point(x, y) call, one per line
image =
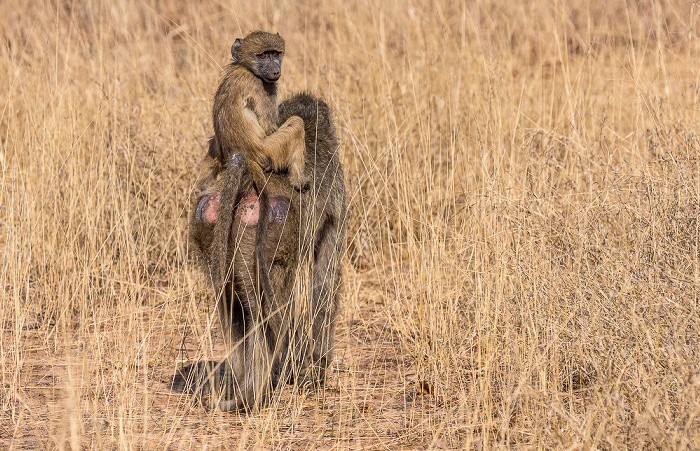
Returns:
point(283, 336)
point(257, 321)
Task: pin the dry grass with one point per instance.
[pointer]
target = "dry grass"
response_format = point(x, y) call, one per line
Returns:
point(523, 263)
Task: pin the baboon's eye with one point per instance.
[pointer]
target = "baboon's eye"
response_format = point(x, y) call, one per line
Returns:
point(261, 55)
point(273, 53)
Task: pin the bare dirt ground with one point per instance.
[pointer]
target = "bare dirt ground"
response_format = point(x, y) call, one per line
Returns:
point(373, 398)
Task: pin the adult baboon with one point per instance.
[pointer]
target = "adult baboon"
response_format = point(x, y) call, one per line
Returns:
point(270, 333)
point(322, 211)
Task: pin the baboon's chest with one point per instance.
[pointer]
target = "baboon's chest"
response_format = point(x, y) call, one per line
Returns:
point(265, 110)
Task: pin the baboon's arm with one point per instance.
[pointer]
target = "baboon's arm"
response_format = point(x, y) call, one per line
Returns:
point(283, 149)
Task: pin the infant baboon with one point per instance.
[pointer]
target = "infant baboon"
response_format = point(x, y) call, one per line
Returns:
point(245, 111)
point(270, 333)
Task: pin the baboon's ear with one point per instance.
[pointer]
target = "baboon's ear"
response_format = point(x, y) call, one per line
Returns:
point(235, 49)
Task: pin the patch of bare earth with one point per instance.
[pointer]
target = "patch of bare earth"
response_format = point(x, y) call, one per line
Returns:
point(373, 398)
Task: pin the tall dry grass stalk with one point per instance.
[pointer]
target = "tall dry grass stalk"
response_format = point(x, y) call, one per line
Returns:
point(523, 260)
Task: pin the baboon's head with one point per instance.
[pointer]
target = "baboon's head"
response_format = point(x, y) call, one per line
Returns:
point(261, 53)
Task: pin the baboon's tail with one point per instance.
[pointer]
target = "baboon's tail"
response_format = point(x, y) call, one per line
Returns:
point(218, 263)
point(261, 233)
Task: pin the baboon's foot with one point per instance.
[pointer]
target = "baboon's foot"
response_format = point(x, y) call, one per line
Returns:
point(228, 405)
point(238, 402)
point(214, 386)
point(201, 379)
point(187, 379)
point(309, 377)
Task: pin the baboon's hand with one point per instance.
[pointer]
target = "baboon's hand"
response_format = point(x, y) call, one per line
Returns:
point(300, 181)
point(294, 122)
point(264, 162)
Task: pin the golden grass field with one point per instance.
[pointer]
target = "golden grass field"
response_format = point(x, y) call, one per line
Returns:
point(523, 253)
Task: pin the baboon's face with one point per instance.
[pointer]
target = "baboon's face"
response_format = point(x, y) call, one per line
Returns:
point(269, 65)
point(261, 53)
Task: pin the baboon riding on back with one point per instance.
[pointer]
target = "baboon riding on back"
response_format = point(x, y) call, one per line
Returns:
point(269, 221)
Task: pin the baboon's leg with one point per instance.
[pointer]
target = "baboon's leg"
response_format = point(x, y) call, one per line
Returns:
point(225, 379)
point(279, 318)
point(232, 313)
point(250, 364)
point(327, 287)
point(280, 357)
point(314, 336)
point(248, 356)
